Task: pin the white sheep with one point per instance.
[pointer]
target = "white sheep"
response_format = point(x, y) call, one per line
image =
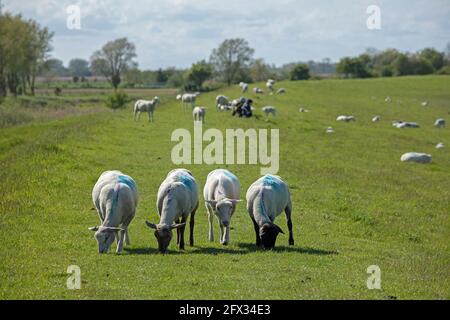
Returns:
point(258, 90)
point(222, 100)
point(281, 91)
point(189, 99)
point(376, 119)
point(243, 86)
point(303, 110)
point(330, 130)
point(177, 199)
point(402, 124)
point(269, 86)
point(346, 118)
point(266, 199)
point(388, 100)
point(416, 157)
point(440, 145)
point(269, 110)
point(199, 114)
point(145, 106)
point(440, 123)
point(424, 104)
point(221, 193)
point(115, 198)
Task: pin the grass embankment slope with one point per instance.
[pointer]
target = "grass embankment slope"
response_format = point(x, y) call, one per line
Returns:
point(355, 203)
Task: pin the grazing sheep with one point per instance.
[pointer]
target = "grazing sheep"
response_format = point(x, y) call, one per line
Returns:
point(440, 123)
point(179, 97)
point(189, 98)
point(244, 87)
point(177, 199)
point(440, 145)
point(281, 91)
point(388, 99)
point(221, 193)
point(266, 199)
point(269, 110)
point(115, 198)
point(222, 100)
point(402, 124)
point(424, 104)
point(346, 118)
point(258, 90)
point(269, 86)
point(376, 119)
point(145, 106)
point(224, 107)
point(330, 130)
point(416, 157)
point(199, 114)
point(303, 110)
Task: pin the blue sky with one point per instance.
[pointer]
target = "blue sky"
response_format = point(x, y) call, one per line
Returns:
point(180, 32)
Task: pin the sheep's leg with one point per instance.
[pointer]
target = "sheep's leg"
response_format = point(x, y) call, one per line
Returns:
point(258, 239)
point(191, 227)
point(120, 234)
point(226, 236)
point(178, 233)
point(182, 228)
point(221, 228)
point(211, 223)
point(288, 211)
point(149, 116)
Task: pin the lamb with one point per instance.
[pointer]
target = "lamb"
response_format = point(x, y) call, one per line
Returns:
point(266, 199)
point(388, 100)
point(303, 110)
point(440, 145)
point(376, 119)
point(199, 114)
point(416, 157)
point(269, 110)
point(440, 123)
point(177, 199)
point(145, 106)
point(244, 86)
point(402, 124)
point(115, 198)
point(330, 130)
point(346, 118)
point(221, 193)
point(281, 91)
point(189, 98)
point(258, 90)
point(424, 104)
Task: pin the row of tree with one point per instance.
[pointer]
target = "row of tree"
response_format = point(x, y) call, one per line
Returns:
point(391, 62)
point(24, 48)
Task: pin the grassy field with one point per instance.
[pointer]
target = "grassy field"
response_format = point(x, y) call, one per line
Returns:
point(355, 204)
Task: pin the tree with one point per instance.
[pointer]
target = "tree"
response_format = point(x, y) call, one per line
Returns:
point(354, 67)
point(199, 73)
point(79, 68)
point(259, 70)
point(300, 72)
point(231, 58)
point(435, 57)
point(114, 59)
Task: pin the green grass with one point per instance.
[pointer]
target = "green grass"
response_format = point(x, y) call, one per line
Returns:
point(355, 203)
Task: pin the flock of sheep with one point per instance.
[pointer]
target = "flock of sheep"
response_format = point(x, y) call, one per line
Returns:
point(115, 197)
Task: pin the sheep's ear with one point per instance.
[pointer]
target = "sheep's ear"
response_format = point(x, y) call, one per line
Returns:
point(176, 226)
point(211, 202)
point(151, 225)
point(279, 229)
point(95, 229)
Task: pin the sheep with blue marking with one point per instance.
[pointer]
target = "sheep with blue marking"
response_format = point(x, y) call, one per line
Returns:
point(267, 198)
point(221, 193)
point(115, 198)
point(177, 200)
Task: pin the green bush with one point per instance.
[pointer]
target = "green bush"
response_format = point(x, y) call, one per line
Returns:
point(117, 100)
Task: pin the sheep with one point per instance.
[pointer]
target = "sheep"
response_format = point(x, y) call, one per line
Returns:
point(189, 98)
point(266, 199)
point(115, 198)
point(402, 124)
point(330, 130)
point(440, 145)
point(416, 157)
point(269, 86)
point(243, 86)
point(222, 100)
point(179, 97)
point(281, 91)
point(221, 193)
point(424, 104)
point(440, 123)
point(388, 100)
point(258, 90)
point(346, 118)
point(269, 110)
point(303, 110)
point(145, 106)
point(376, 119)
point(199, 114)
point(177, 199)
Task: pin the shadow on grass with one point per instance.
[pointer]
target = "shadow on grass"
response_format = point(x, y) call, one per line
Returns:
point(251, 247)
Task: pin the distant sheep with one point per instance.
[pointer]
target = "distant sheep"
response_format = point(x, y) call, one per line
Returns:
point(388, 99)
point(266, 199)
point(281, 91)
point(424, 104)
point(145, 106)
point(115, 199)
point(270, 84)
point(303, 110)
point(346, 118)
point(376, 119)
point(244, 87)
point(222, 100)
point(258, 90)
point(416, 157)
point(269, 110)
point(189, 99)
point(440, 123)
point(330, 130)
point(440, 145)
point(199, 114)
point(402, 125)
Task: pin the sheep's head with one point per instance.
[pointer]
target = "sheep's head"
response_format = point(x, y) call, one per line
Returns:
point(224, 209)
point(157, 100)
point(163, 234)
point(268, 234)
point(105, 237)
